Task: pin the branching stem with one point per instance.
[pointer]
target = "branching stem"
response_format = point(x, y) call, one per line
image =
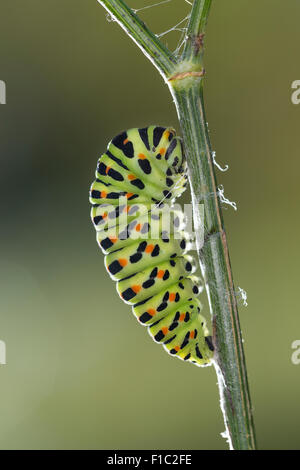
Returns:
point(184, 77)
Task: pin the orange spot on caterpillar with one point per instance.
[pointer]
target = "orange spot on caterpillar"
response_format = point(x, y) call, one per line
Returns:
point(151, 312)
point(138, 227)
point(160, 273)
point(165, 330)
point(125, 141)
point(104, 215)
point(107, 169)
point(172, 297)
point(149, 248)
point(192, 334)
point(182, 317)
point(131, 177)
point(136, 288)
point(162, 151)
point(113, 239)
point(142, 156)
point(128, 195)
point(177, 348)
point(103, 194)
point(123, 262)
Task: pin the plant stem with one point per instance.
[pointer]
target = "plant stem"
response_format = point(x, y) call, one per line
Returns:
point(196, 28)
point(151, 46)
point(185, 80)
point(214, 255)
point(216, 270)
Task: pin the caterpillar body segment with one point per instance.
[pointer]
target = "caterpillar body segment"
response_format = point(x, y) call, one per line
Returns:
point(143, 237)
point(183, 333)
point(140, 255)
point(162, 304)
point(141, 165)
point(125, 228)
point(149, 282)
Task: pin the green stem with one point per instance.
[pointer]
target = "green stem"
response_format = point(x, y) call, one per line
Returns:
point(151, 46)
point(185, 80)
point(196, 29)
point(216, 269)
point(213, 255)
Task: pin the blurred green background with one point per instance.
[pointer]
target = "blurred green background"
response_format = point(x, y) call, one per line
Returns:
point(81, 373)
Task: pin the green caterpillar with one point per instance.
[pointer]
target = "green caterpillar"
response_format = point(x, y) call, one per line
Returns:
point(141, 169)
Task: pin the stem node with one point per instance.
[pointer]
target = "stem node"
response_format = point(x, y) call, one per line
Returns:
point(182, 75)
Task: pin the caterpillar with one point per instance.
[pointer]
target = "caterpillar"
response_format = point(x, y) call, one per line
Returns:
point(137, 181)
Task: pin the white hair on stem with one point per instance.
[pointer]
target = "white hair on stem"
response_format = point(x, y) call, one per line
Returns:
point(244, 296)
point(223, 199)
point(174, 28)
point(150, 6)
point(213, 155)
